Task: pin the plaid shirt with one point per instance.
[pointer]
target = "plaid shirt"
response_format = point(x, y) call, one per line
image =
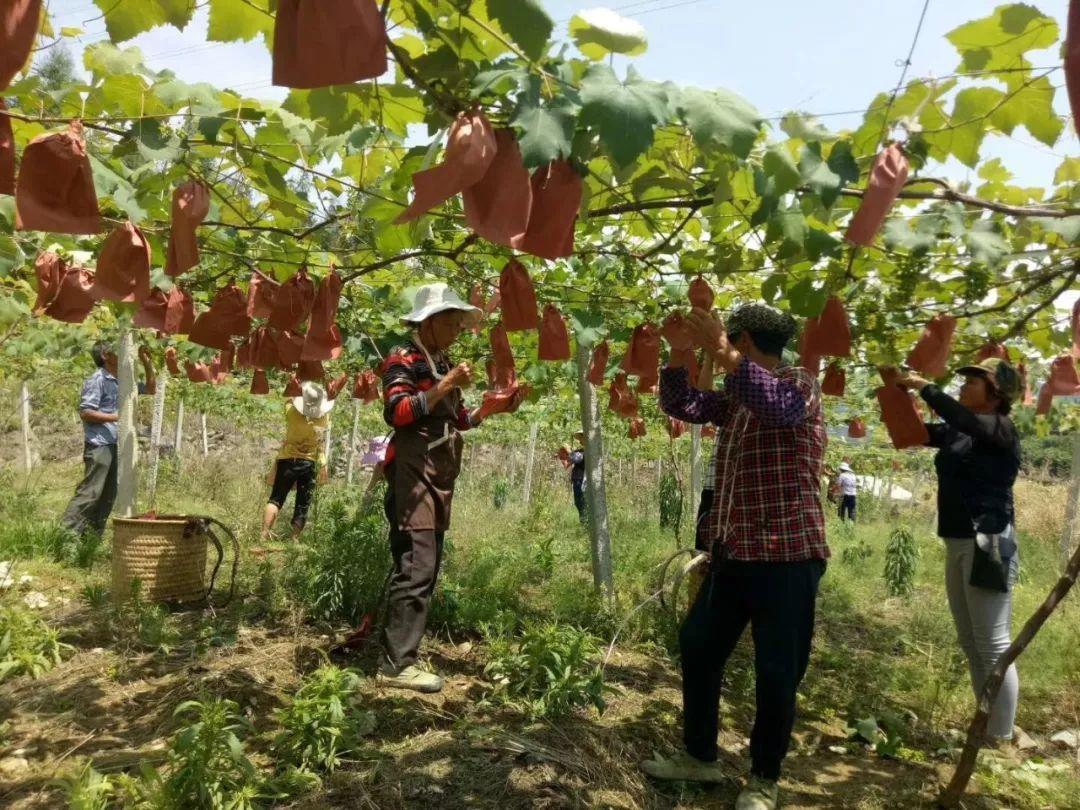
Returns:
point(770, 447)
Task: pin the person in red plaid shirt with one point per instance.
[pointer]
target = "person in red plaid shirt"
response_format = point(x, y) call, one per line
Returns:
point(766, 532)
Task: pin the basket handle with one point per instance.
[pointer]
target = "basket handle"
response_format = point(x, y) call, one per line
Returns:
point(204, 524)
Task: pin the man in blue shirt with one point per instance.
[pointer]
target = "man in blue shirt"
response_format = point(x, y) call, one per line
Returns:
point(98, 408)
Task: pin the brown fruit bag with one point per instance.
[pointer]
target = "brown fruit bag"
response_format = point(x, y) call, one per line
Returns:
point(366, 387)
point(494, 402)
point(293, 302)
point(835, 381)
point(262, 290)
point(244, 354)
point(887, 178)
point(311, 371)
point(323, 340)
point(222, 366)
point(19, 21)
point(1074, 323)
point(179, 312)
point(123, 267)
point(264, 348)
point(7, 153)
point(856, 429)
point(517, 298)
point(503, 373)
point(900, 413)
point(675, 427)
point(73, 300)
point(498, 207)
point(620, 399)
point(171, 361)
point(337, 385)
point(259, 384)
point(554, 339)
point(556, 198)
point(292, 387)
point(470, 150)
point(1064, 381)
point(190, 205)
point(637, 428)
point(598, 364)
point(700, 294)
point(55, 190)
point(688, 358)
point(227, 317)
point(931, 354)
point(992, 349)
point(198, 372)
point(828, 335)
point(808, 357)
point(643, 354)
point(319, 43)
point(1072, 61)
point(49, 269)
point(290, 348)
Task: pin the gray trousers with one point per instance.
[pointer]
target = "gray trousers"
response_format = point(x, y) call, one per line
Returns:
point(92, 504)
point(983, 621)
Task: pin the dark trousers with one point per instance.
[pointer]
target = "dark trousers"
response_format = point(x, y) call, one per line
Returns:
point(579, 498)
point(777, 600)
point(290, 473)
point(847, 507)
point(417, 558)
point(95, 494)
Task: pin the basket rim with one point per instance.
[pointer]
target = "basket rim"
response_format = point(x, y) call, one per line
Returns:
point(165, 519)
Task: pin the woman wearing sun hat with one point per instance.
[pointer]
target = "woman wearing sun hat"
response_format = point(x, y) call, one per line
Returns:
point(422, 401)
point(306, 420)
point(977, 462)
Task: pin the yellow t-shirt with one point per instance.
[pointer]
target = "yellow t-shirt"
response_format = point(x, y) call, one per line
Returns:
point(304, 437)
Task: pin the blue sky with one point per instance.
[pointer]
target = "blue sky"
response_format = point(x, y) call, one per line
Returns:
point(824, 56)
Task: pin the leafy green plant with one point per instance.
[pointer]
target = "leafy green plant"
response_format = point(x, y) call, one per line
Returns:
point(882, 734)
point(901, 562)
point(322, 722)
point(28, 646)
point(135, 623)
point(500, 493)
point(551, 670)
point(671, 501)
point(87, 788)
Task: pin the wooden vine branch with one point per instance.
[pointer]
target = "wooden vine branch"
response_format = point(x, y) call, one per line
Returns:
point(954, 791)
point(1022, 322)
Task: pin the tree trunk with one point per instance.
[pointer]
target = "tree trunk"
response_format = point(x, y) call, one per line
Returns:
point(534, 429)
point(353, 436)
point(205, 438)
point(326, 445)
point(695, 469)
point(595, 495)
point(127, 439)
point(24, 411)
point(178, 438)
point(951, 795)
point(1072, 505)
point(155, 435)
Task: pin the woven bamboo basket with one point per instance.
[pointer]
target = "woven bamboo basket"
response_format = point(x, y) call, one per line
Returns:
point(167, 555)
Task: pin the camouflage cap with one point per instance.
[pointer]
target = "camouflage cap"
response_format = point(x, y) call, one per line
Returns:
point(758, 317)
point(1001, 375)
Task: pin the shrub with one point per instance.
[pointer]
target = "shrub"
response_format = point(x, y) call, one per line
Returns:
point(671, 501)
point(901, 562)
point(135, 623)
point(500, 493)
point(28, 646)
point(551, 670)
point(321, 722)
point(87, 789)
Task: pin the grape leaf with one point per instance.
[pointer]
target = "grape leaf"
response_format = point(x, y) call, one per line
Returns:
point(623, 113)
point(546, 129)
point(986, 245)
point(1030, 106)
point(780, 166)
point(720, 117)
point(600, 32)
point(132, 17)
point(528, 25)
point(999, 41)
point(240, 20)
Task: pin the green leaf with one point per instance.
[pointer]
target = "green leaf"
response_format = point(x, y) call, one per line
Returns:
point(132, 17)
point(240, 20)
point(600, 32)
point(818, 175)
point(1068, 171)
point(987, 246)
point(498, 81)
point(103, 59)
point(842, 162)
point(720, 117)
point(11, 257)
point(780, 166)
point(898, 233)
point(804, 127)
point(528, 25)
point(963, 134)
point(1000, 41)
point(1067, 227)
point(804, 300)
point(1030, 106)
point(623, 113)
point(545, 131)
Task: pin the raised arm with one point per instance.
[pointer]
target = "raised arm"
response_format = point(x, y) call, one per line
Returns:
point(992, 428)
point(776, 401)
point(679, 401)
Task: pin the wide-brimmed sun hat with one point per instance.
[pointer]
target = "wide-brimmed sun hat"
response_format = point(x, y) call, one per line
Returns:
point(431, 299)
point(1003, 377)
point(845, 467)
point(312, 402)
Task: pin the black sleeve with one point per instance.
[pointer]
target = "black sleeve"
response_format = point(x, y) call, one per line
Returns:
point(938, 434)
point(993, 428)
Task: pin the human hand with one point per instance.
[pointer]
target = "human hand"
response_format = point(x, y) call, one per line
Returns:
point(515, 402)
point(144, 355)
point(460, 376)
point(676, 331)
point(710, 334)
point(912, 382)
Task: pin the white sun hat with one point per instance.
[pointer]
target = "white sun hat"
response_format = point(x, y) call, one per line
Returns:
point(312, 403)
point(845, 467)
point(431, 299)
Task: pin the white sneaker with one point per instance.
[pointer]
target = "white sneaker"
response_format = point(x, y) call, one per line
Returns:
point(412, 677)
point(682, 767)
point(759, 794)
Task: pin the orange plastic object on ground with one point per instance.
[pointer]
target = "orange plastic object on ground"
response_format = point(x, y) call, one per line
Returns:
point(517, 298)
point(311, 371)
point(336, 386)
point(323, 340)
point(931, 354)
point(293, 301)
point(366, 386)
point(73, 300)
point(290, 348)
point(675, 427)
point(497, 208)
point(226, 318)
point(55, 190)
point(259, 384)
point(835, 381)
point(828, 335)
point(292, 387)
point(49, 269)
point(701, 294)
point(262, 291)
point(123, 268)
point(620, 399)
point(498, 401)
point(171, 362)
point(470, 151)
point(319, 43)
point(18, 29)
point(556, 199)
point(554, 339)
point(643, 354)
point(637, 428)
point(190, 205)
point(7, 153)
point(900, 413)
point(856, 429)
point(598, 364)
point(503, 373)
point(887, 178)
point(1072, 60)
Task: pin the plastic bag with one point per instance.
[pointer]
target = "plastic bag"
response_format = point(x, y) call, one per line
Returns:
point(55, 190)
point(931, 354)
point(262, 290)
point(598, 364)
point(643, 354)
point(73, 300)
point(517, 298)
point(323, 339)
point(226, 318)
point(900, 413)
point(556, 199)
point(554, 339)
point(293, 301)
point(470, 151)
point(19, 21)
point(319, 43)
point(887, 178)
point(497, 208)
point(190, 205)
point(259, 384)
point(123, 267)
point(7, 153)
point(835, 381)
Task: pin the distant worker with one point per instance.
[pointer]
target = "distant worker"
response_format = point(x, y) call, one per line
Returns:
point(577, 475)
point(849, 490)
point(95, 494)
point(301, 458)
